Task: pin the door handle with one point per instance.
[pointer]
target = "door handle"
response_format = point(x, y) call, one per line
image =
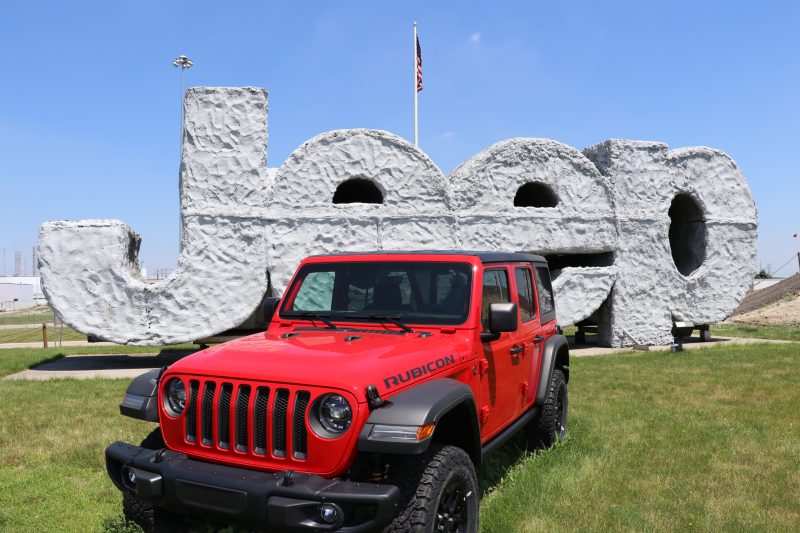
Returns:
point(516, 350)
point(538, 338)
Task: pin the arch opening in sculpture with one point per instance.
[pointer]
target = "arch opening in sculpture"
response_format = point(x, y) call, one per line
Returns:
point(357, 190)
point(535, 194)
point(687, 233)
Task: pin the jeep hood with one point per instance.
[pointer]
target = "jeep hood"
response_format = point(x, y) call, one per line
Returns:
point(348, 360)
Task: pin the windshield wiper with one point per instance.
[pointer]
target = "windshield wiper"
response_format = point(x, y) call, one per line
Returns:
point(387, 318)
point(317, 316)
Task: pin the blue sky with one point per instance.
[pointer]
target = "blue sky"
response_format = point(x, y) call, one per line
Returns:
point(90, 116)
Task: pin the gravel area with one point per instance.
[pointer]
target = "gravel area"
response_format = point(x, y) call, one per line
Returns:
point(778, 305)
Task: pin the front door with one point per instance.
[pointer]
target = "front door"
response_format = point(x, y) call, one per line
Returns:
point(529, 336)
point(500, 368)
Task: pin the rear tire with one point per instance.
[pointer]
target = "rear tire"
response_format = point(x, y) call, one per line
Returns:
point(550, 425)
point(438, 492)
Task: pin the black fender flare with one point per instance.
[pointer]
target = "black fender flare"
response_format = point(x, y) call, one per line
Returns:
point(550, 353)
point(141, 398)
point(423, 404)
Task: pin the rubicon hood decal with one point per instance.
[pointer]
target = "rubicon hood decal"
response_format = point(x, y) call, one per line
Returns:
point(418, 371)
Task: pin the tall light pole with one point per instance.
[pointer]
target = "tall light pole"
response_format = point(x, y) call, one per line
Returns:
point(183, 63)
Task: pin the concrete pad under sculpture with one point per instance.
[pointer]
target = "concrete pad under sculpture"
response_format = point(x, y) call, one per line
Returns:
point(638, 235)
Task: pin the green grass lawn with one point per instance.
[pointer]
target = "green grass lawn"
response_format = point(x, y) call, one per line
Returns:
point(786, 333)
point(703, 440)
point(700, 440)
point(39, 315)
point(52, 436)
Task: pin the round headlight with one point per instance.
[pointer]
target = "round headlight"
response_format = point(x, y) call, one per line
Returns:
point(335, 413)
point(176, 396)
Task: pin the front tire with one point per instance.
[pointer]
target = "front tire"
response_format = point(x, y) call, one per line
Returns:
point(438, 492)
point(551, 424)
point(151, 519)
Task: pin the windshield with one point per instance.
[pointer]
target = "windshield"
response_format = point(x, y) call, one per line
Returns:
point(414, 292)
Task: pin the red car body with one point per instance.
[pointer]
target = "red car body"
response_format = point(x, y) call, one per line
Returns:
point(320, 361)
point(375, 366)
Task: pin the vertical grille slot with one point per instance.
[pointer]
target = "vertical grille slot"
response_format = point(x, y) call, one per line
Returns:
point(224, 420)
point(260, 421)
point(279, 423)
point(207, 414)
point(191, 412)
point(242, 399)
point(299, 436)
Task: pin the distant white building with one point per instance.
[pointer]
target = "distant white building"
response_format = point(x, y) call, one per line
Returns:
point(20, 292)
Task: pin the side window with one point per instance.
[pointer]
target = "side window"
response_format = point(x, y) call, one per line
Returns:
point(527, 308)
point(495, 290)
point(316, 292)
point(545, 291)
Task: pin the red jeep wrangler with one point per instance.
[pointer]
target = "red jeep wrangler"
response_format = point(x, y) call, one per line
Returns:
point(381, 382)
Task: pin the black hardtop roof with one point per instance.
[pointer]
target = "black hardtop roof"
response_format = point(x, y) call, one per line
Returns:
point(484, 256)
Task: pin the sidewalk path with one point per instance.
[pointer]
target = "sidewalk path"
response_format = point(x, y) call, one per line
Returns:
point(98, 366)
point(53, 344)
point(587, 350)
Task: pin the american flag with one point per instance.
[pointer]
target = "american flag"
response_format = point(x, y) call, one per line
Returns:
point(419, 67)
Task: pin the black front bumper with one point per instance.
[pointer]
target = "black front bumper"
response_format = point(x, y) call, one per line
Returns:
point(280, 501)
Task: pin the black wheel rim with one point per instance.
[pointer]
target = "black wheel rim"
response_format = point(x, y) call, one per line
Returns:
point(561, 412)
point(452, 513)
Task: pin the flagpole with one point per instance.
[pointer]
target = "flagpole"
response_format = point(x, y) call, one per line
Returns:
point(416, 130)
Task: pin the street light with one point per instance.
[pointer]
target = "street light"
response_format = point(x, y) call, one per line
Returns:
point(183, 63)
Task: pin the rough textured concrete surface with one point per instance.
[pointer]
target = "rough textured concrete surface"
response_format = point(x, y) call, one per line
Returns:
point(637, 236)
point(88, 267)
point(303, 219)
point(582, 221)
point(651, 291)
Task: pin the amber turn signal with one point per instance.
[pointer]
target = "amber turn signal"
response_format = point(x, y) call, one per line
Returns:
point(423, 432)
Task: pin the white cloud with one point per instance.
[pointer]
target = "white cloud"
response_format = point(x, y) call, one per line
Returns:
point(475, 38)
point(446, 136)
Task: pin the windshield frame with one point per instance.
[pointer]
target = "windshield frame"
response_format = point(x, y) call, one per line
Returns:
point(342, 316)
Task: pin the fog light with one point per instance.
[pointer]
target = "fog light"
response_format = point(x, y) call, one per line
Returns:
point(131, 475)
point(328, 513)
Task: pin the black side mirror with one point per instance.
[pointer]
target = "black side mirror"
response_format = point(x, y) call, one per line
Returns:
point(269, 307)
point(502, 317)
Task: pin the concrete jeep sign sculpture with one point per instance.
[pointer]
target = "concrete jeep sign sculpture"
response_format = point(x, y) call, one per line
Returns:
point(638, 236)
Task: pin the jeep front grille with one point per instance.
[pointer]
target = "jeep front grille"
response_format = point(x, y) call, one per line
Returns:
point(256, 418)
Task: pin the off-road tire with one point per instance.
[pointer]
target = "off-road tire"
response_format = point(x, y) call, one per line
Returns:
point(154, 441)
point(150, 519)
point(431, 484)
point(551, 423)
